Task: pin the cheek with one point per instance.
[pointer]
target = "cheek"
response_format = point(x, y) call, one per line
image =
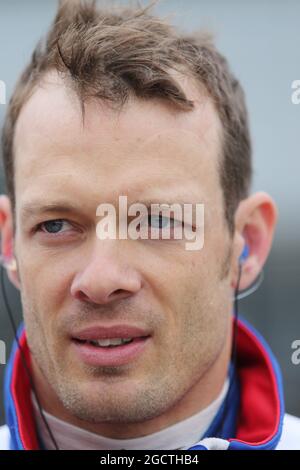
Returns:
point(192, 283)
point(198, 316)
point(42, 301)
point(43, 288)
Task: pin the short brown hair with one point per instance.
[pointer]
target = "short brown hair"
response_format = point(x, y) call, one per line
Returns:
point(112, 54)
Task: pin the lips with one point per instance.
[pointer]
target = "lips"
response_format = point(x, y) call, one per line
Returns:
point(92, 354)
point(105, 332)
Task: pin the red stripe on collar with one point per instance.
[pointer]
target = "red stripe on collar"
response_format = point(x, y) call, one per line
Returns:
point(260, 410)
point(20, 390)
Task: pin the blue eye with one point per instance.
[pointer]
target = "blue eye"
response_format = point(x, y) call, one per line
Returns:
point(52, 226)
point(158, 221)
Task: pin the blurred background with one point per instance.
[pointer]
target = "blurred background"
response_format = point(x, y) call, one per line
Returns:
point(261, 41)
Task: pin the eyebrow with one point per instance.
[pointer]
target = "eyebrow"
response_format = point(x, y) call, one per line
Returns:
point(32, 209)
point(36, 208)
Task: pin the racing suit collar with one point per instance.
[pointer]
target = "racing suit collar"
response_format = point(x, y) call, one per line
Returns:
point(257, 417)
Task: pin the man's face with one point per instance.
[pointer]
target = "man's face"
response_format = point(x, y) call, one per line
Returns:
point(72, 280)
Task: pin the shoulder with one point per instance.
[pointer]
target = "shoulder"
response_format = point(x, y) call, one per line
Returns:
point(4, 438)
point(290, 438)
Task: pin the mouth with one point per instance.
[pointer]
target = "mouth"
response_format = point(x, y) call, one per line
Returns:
point(110, 351)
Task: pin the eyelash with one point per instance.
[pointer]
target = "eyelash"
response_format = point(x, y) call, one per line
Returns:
point(171, 219)
point(39, 227)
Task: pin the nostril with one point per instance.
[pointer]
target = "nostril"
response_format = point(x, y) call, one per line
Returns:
point(99, 296)
point(119, 293)
point(80, 295)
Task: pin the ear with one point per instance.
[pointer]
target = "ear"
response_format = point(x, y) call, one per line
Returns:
point(255, 222)
point(7, 239)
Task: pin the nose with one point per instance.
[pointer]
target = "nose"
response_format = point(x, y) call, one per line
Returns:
point(106, 277)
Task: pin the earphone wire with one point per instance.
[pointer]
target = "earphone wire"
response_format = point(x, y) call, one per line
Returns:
point(238, 296)
point(233, 347)
point(252, 288)
point(236, 319)
point(33, 388)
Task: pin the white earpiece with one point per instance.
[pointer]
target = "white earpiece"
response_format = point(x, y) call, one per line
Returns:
point(8, 263)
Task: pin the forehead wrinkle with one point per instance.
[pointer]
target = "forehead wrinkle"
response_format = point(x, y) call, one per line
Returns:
point(185, 143)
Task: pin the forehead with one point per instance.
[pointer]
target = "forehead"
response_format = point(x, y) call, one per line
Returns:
point(147, 144)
